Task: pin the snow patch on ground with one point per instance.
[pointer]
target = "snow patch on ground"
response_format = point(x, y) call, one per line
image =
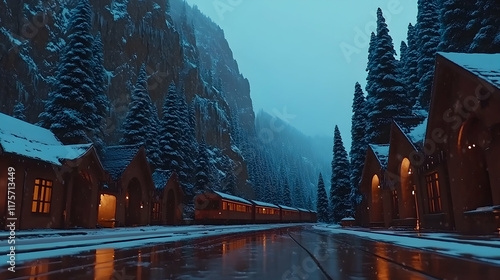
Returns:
point(485, 250)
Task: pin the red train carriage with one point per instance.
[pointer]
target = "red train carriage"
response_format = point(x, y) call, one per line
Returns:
point(265, 212)
point(216, 207)
point(289, 214)
point(305, 215)
point(314, 216)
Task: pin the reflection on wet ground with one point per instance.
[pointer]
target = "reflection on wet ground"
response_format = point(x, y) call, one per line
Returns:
point(270, 254)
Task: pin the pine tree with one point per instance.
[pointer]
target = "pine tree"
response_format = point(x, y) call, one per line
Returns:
point(456, 33)
point(372, 63)
point(70, 111)
point(188, 137)
point(171, 143)
point(428, 41)
point(410, 66)
point(141, 123)
point(287, 200)
point(202, 181)
point(340, 186)
point(299, 195)
point(322, 206)
point(19, 111)
point(487, 39)
point(100, 98)
point(386, 96)
point(359, 144)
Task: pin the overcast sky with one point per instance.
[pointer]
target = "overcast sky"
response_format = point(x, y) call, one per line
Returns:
point(303, 57)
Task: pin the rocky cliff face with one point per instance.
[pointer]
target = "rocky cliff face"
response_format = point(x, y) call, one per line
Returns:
point(176, 44)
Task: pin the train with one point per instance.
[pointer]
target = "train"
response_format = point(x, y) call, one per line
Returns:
point(215, 207)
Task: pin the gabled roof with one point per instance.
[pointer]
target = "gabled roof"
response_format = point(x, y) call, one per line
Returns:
point(160, 178)
point(232, 197)
point(31, 141)
point(116, 159)
point(485, 66)
point(382, 153)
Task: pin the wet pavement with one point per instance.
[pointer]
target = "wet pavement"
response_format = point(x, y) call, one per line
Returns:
point(293, 253)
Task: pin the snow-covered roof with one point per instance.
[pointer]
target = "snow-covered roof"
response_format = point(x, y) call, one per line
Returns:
point(382, 153)
point(116, 159)
point(486, 66)
point(264, 204)
point(31, 141)
point(303, 210)
point(232, 197)
point(160, 178)
point(287, 207)
point(417, 134)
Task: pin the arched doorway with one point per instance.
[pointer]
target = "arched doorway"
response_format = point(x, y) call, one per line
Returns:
point(472, 140)
point(376, 209)
point(407, 199)
point(170, 207)
point(133, 203)
point(107, 210)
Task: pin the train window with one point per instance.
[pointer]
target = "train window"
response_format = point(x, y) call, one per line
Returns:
point(224, 205)
point(230, 206)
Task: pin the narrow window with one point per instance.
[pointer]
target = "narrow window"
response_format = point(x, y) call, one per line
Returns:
point(42, 195)
point(434, 193)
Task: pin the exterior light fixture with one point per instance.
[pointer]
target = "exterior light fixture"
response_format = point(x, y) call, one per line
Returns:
point(142, 205)
point(126, 197)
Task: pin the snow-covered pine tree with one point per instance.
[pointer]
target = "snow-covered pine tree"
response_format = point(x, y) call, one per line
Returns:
point(230, 181)
point(372, 63)
point(340, 186)
point(202, 181)
point(428, 41)
point(188, 138)
point(171, 143)
point(322, 202)
point(70, 109)
point(359, 144)
point(410, 66)
point(19, 111)
point(456, 33)
point(298, 194)
point(141, 123)
point(386, 97)
point(100, 98)
point(487, 39)
point(287, 199)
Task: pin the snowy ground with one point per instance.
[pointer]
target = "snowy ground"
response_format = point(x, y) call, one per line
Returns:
point(479, 248)
point(37, 244)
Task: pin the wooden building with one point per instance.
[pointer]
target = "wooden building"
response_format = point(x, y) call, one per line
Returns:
point(167, 206)
point(52, 185)
point(444, 174)
point(374, 207)
point(126, 199)
point(463, 142)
